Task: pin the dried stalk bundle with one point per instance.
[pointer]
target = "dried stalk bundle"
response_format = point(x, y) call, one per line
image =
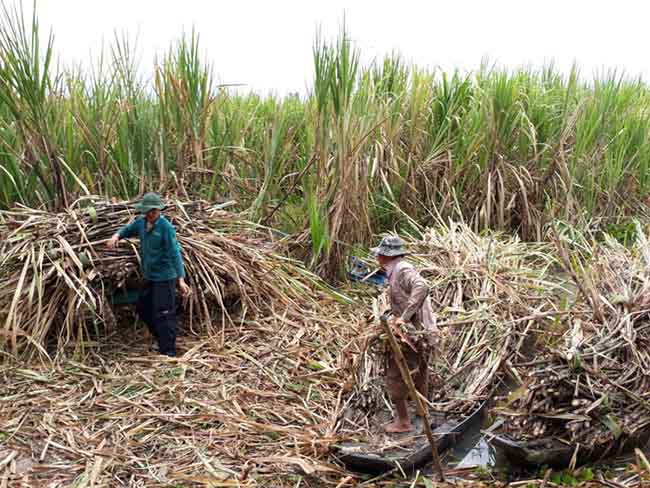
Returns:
point(57, 276)
point(490, 293)
point(591, 388)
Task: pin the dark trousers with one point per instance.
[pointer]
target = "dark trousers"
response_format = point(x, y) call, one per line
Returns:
point(157, 308)
point(417, 365)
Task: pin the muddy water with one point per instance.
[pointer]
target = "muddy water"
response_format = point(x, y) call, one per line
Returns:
point(474, 450)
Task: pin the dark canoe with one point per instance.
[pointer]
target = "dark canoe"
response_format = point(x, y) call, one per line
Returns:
point(555, 454)
point(409, 450)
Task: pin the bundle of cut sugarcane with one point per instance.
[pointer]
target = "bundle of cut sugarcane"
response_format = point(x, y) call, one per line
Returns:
point(592, 387)
point(57, 275)
point(491, 293)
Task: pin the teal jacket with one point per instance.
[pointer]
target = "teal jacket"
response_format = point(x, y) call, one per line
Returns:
point(160, 252)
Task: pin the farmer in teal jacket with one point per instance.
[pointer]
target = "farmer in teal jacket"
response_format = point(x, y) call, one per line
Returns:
point(162, 267)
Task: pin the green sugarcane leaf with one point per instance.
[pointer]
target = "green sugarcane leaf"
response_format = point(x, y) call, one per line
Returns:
point(610, 421)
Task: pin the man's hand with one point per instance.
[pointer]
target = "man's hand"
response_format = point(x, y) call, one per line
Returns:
point(401, 326)
point(186, 291)
point(113, 242)
point(402, 330)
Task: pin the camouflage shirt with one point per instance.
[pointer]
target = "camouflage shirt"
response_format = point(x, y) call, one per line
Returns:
point(409, 295)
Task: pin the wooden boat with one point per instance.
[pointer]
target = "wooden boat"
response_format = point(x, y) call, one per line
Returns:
point(554, 453)
point(380, 452)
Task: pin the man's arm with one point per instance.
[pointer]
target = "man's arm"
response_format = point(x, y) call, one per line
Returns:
point(130, 230)
point(174, 248)
point(419, 292)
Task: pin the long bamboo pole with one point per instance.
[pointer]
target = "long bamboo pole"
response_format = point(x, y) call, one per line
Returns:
point(406, 376)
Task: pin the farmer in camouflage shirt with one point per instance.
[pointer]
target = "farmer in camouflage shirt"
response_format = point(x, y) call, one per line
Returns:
point(411, 309)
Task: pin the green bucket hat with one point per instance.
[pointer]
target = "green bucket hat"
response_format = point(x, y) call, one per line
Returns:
point(149, 202)
point(390, 246)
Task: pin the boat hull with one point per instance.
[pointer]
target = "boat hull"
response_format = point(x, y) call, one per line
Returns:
point(534, 455)
point(357, 457)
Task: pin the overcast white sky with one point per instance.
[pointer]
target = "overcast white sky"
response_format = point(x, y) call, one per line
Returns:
point(267, 44)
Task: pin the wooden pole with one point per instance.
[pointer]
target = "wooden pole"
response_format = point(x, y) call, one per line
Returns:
point(406, 376)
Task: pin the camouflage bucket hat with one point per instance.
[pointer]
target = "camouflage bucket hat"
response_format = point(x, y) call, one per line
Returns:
point(390, 246)
point(149, 202)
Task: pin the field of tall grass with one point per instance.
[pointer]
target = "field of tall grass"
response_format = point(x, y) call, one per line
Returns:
point(367, 148)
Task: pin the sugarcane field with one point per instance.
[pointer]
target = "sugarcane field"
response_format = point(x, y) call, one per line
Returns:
point(400, 276)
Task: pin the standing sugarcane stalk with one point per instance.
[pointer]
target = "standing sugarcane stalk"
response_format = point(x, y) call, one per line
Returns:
point(419, 404)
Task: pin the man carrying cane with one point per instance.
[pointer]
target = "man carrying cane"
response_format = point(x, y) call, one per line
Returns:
point(162, 268)
point(413, 321)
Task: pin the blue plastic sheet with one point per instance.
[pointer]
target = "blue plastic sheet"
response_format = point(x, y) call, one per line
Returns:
point(361, 272)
